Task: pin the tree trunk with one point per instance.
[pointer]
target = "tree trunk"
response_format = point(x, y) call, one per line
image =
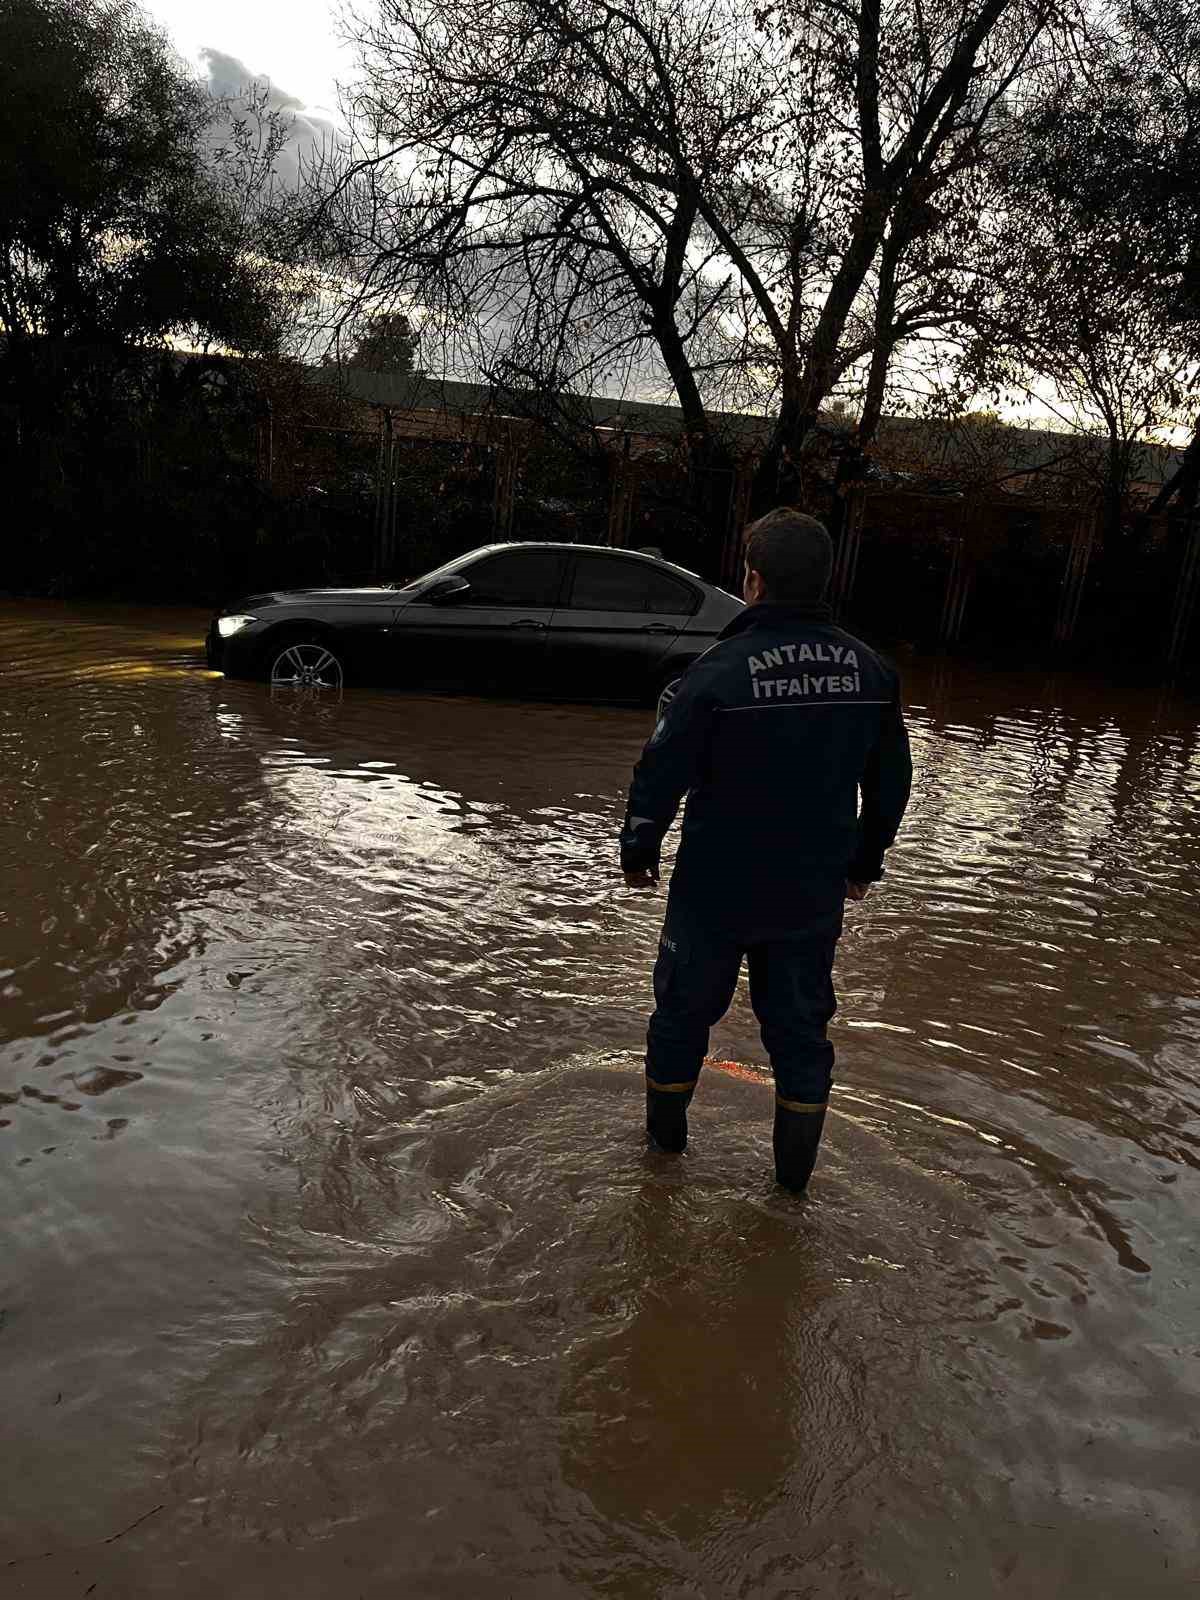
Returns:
point(778, 477)
point(885, 339)
point(704, 449)
point(1114, 492)
point(710, 466)
point(820, 369)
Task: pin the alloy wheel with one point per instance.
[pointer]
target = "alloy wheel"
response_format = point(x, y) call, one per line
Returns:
point(306, 666)
point(669, 691)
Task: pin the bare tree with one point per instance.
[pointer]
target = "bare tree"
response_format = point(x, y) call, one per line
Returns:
point(723, 193)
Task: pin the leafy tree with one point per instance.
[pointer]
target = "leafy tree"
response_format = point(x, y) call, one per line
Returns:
point(1137, 143)
point(388, 343)
point(133, 261)
point(117, 233)
point(1091, 237)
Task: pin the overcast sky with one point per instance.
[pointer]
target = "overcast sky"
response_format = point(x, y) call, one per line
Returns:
point(296, 48)
point(295, 45)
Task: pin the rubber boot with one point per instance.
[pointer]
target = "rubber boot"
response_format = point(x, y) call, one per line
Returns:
point(666, 1119)
point(796, 1140)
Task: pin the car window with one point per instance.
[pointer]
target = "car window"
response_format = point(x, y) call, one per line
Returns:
point(606, 583)
point(528, 578)
point(667, 597)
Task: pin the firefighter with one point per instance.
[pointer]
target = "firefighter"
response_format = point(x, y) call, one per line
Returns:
point(774, 735)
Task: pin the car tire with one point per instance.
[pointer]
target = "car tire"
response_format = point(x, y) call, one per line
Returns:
point(304, 659)
point(668, 689)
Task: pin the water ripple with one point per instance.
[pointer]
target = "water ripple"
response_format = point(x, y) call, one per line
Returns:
point(334, 1238)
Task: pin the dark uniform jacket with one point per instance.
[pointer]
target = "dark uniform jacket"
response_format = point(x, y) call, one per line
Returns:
point(773, 736)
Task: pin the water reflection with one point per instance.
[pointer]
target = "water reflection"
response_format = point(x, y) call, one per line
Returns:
point(712, 1385)
point(318, 1105)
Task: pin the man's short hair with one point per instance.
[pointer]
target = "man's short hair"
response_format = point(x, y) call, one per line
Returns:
point(793, 555)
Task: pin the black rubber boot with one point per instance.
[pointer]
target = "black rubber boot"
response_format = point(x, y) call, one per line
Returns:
point(796, 1140)
point(666, 1119)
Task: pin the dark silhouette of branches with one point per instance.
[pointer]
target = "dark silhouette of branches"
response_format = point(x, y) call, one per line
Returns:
point(728, 197)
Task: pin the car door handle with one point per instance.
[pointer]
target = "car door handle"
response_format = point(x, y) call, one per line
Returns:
point(659, 627)
point(527, 622)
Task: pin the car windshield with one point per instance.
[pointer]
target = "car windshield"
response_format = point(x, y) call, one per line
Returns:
point(438, 572)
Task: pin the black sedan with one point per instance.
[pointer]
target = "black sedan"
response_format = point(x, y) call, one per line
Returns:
point(576, 621)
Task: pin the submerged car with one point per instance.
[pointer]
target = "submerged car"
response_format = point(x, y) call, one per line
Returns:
point(576, 621)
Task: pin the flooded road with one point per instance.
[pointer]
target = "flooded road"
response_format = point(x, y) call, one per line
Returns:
point(334, 1264)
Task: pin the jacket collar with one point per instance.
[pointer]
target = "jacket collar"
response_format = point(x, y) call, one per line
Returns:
point(770, 616)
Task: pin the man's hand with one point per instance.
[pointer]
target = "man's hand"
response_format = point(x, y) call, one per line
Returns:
point(646, 878)
point(857, 891)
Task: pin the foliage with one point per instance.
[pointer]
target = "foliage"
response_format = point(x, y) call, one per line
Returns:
point(1090, 237)
point(387, 343)
point(113, 230)
point(131, 263)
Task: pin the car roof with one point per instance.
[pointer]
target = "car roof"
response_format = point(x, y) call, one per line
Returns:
point(596, 549)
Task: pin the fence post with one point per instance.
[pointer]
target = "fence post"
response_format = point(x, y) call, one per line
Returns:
point(1185, 592)
point(958, 587)
point(620, 501)
point(739, 510)
point(266, 445)
point(384, 482)
point(1083, 542)
point(393, 511)
point(506, 486)
point(845, 561)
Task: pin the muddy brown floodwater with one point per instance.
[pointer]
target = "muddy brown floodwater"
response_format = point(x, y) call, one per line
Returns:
point(334, 1265)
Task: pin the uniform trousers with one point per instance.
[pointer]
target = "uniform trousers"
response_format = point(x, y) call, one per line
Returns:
point(791, 990)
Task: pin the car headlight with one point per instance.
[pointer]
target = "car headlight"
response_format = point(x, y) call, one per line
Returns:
point(228, 626)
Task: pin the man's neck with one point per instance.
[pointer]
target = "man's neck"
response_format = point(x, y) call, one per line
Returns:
point(802, 608)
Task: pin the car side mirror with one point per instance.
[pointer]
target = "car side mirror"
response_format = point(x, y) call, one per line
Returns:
point(448, 591)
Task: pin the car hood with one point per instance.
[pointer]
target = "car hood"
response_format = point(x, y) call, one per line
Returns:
point(292, 597)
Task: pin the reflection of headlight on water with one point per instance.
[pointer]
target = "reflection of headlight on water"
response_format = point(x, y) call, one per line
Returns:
point(226, 626)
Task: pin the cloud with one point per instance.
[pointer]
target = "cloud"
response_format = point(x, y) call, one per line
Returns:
point(231, 80)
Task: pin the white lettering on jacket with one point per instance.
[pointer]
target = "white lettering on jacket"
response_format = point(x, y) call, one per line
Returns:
point(838, 654)
point(799, 688)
